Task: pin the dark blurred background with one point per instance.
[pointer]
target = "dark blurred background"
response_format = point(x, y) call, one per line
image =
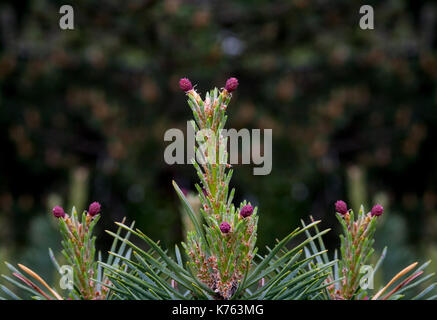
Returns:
point(83, 114)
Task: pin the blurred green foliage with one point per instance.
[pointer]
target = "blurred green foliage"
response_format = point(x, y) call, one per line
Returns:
point(92, 105)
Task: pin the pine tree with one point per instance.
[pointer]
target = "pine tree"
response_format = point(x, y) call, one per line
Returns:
point(221, 259)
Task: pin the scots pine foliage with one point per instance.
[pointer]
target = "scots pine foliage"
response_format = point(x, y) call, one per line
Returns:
point(351, 278)
point(222, 250)
point(220, 259)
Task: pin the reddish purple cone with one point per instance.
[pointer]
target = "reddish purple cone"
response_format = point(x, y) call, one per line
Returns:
point(225, 227)
point(231, 84)
point(185, 84)
point(94, 209)
point(377, 210)
point(58, 212)
point(341, 207)
point(246, 211)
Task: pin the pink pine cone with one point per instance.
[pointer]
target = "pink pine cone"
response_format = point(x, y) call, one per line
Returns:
point(225, 227)
point(185, 84)
point(58, 212)
point(231, 84)
point(94, 209)
point(377, 210)
point(246, 211)
point(341, 207)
